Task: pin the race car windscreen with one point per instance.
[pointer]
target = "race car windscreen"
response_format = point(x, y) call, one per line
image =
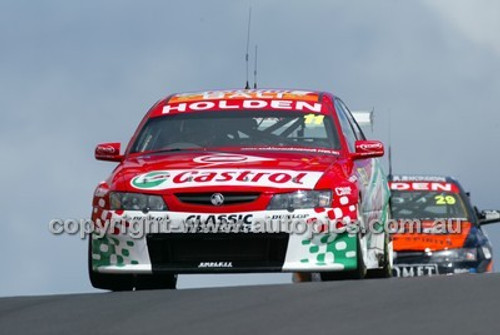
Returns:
point(427, 205)
point(238, 129)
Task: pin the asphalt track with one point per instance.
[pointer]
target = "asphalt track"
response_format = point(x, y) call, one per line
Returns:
point(466, 304)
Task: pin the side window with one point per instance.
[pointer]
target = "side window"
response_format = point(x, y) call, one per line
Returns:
point(357, 130)
point(349, 134)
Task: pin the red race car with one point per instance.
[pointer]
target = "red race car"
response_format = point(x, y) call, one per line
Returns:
point(239, 181)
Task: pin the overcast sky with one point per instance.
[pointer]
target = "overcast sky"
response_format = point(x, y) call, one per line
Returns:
point(73, 74)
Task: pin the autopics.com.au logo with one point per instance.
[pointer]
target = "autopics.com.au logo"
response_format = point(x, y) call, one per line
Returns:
point(140, 226)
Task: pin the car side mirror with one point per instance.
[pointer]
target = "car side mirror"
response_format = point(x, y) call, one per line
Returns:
point(368, 149)
point(488, 216)
point(108, 152)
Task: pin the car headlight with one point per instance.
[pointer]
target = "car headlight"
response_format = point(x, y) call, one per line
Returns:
point(301, 199)
point(454, 255)
point(136, 202)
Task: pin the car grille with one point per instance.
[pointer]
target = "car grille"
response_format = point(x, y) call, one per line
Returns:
point(184, 252)
point(230, 198)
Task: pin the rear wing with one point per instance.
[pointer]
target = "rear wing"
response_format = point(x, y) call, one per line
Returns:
point(364, 118)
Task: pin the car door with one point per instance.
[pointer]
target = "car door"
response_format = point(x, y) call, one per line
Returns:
point(371, 179)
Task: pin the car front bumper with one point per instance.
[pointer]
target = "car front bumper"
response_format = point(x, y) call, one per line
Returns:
point(416, 264)
point(181, 251)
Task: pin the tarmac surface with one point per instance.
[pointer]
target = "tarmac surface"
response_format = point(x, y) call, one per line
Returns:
point(464, 304)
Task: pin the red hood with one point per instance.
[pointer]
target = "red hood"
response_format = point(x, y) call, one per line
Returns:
point(269, 170)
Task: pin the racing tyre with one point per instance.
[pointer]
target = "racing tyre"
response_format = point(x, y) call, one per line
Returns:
point(358, 273)
point(386, 270)
point(156, 282)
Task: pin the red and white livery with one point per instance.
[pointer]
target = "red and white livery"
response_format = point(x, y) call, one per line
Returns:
point(240, 181)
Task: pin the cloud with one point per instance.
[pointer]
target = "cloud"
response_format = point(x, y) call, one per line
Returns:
point(76, 74)
point(476, 20)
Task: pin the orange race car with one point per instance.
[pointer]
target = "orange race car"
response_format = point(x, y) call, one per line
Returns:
point(437, 230)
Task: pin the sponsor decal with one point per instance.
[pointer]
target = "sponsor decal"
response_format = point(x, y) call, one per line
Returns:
point(302, 149)
point(223, 158)
point(150, 180)
point(287, 216)
point(436, 237)
point(161, 180)
point(414, 270)
point(215, 265)
point(245, 94)
point(340, 191)
point(371, 146)
point(209, 219)
point(296, 105)
point(419, 178)
point(106, 150)
point(222, 223)
point(423, 186)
